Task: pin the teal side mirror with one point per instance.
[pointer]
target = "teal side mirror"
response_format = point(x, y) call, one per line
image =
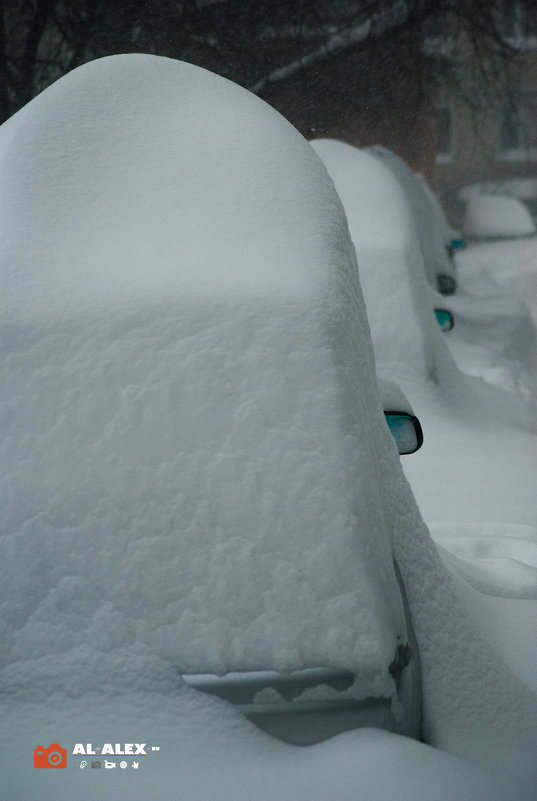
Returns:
point(406, 431)
point(446, 284)
point(445, 319)
point(457, 244)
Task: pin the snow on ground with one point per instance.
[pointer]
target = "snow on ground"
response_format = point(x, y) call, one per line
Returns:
point(207, 752)
point(495, 339)
point(195, 465)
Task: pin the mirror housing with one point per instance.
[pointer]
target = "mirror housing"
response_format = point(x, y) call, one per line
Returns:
point(453, 246)
point(445, 319)
point(446, 284)
point(406, 431)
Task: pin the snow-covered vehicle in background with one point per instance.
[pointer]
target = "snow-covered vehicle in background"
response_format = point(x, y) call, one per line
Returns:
point(436, 238)
point(402, 306)
point(497, 336)
point(523, 190)
point(497, 216)
point(197, 476)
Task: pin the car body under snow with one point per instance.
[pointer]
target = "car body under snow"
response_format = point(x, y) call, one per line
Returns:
point(400, 301)
point(434, 236)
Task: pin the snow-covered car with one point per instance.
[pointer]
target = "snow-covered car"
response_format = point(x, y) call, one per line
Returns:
point(197, 476)
point(497, 216)
point(403, 308)
point(436, 239)
point(497, 337)
point(523, 189)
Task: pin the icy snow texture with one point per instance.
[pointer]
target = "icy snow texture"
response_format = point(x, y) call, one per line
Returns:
point(195, 466)
point(497, 215)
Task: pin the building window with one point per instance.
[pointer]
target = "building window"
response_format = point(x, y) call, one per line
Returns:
point(518, 133)
point(444, 134)
point(515, 26)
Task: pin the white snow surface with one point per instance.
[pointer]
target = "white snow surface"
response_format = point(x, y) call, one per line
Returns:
point(430, 224)
point(479, 458)
point(196, 472)
point(399, 300)
point(474, 477)
point(497, 215)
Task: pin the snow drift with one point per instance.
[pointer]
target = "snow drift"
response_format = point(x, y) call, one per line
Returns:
point(497, 216)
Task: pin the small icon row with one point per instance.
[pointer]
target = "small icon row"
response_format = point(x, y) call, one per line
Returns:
point(109, 765)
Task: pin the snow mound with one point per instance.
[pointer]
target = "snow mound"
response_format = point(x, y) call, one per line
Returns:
point(497, 215)
point(429, 221)
point(190, 405)
point(121, 184)
point(495, 558)
point(399, 300)
point(208, 753)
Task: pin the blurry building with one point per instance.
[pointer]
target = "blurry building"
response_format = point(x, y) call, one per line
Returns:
point(494, 139)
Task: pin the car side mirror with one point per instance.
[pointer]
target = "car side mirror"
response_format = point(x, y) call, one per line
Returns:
point(446, 284)
point(406, 431)
point(445, 319)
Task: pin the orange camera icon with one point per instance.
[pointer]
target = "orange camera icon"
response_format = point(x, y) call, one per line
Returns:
point(52, 757)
